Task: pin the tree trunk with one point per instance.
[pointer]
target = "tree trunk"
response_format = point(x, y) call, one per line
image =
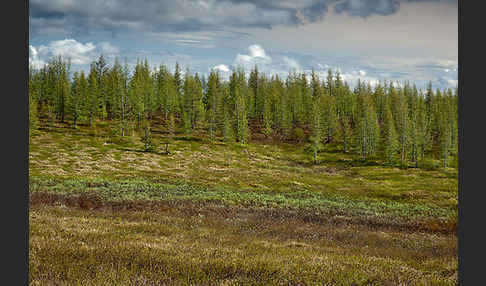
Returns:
point(445, 159)
point(422, 152)
point(403, 153)
point(123, 116)
point(344, 143)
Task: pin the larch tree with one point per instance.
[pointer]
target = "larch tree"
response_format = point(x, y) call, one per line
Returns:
point(198, 113)
point(33, 102)
point(170, 132)
point(93, 107)
point(252, 93)
point(413, 120)
point(329, 117)
point(76, 96)
point(316, 130)
point(237, 92)
point(267, 107)
point(444, 128)
point(390, 141)
point(60, 73)
point(212, 105)
point(402, 122)
point(123, 99)
point(316, 136)
point(344, 111)
point(391, 117)
point(423, 128)
point(178, 81)
point(136, 95)
point(100, 68)
point(226, 114)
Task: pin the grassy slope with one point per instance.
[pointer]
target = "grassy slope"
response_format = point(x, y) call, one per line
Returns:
point(260, 206)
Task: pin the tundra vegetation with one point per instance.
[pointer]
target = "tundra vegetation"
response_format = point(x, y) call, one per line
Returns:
point(149, 177)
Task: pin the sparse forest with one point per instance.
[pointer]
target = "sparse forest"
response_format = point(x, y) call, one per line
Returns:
point(394, 121)
point(150, 177)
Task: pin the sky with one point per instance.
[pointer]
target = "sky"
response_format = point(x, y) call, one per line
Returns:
point(373, 40)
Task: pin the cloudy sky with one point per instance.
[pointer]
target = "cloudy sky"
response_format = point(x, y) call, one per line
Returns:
point(413, 40)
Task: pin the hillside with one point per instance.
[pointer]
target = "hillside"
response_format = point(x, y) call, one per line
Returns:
point(214, 212)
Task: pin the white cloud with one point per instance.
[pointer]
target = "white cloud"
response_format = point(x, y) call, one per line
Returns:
point(351, 77)
point(325, 66)
point(258, 52)
point(187, 41)
point(224, 71)
point(292, 63)
point(257, 56)
point(108, 48)
point(452, 82)
point(34, 60)
point(242, 59)
point(79, 53)
point(223, 68)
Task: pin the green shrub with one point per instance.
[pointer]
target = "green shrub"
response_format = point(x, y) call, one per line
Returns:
point(299, 134)
point(148, 142)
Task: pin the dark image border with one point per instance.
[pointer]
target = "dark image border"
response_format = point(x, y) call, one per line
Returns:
point(15, 207)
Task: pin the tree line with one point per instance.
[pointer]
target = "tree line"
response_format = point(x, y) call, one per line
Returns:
point(393, 120)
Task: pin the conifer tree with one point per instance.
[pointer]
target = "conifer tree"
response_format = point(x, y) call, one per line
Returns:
point(367, 128)
point(316, 131)
point(136, 94)
point(170, 132)
point(167, 92)
point(444, 129)
point(76, 97)
point(188, 107)
point(402, 123)
point(123, 99)
point(395, 116)
point(92, 105)
point(100, 68)
point(452, 118)
point(316, 114)
point(344, 111)
point(237, 93)
point(423, 128)
point(306, 98)
point(253, 93)
point(178, 82)
point(60, 85)
point(198, 112)
point(226, 115)
point(295, 100)
point(213, 99)
point(33, 102)
point(413, 120)
point(116, 89)
point(146, 139)
point(380, 102)
point(267, 107)
point(390, 135)
point(148, 91)
point(329, 119)
point(330, 85)
point(373, 136)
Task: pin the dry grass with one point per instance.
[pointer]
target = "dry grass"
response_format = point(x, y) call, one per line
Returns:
point(182, 246)
point(102, 212)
